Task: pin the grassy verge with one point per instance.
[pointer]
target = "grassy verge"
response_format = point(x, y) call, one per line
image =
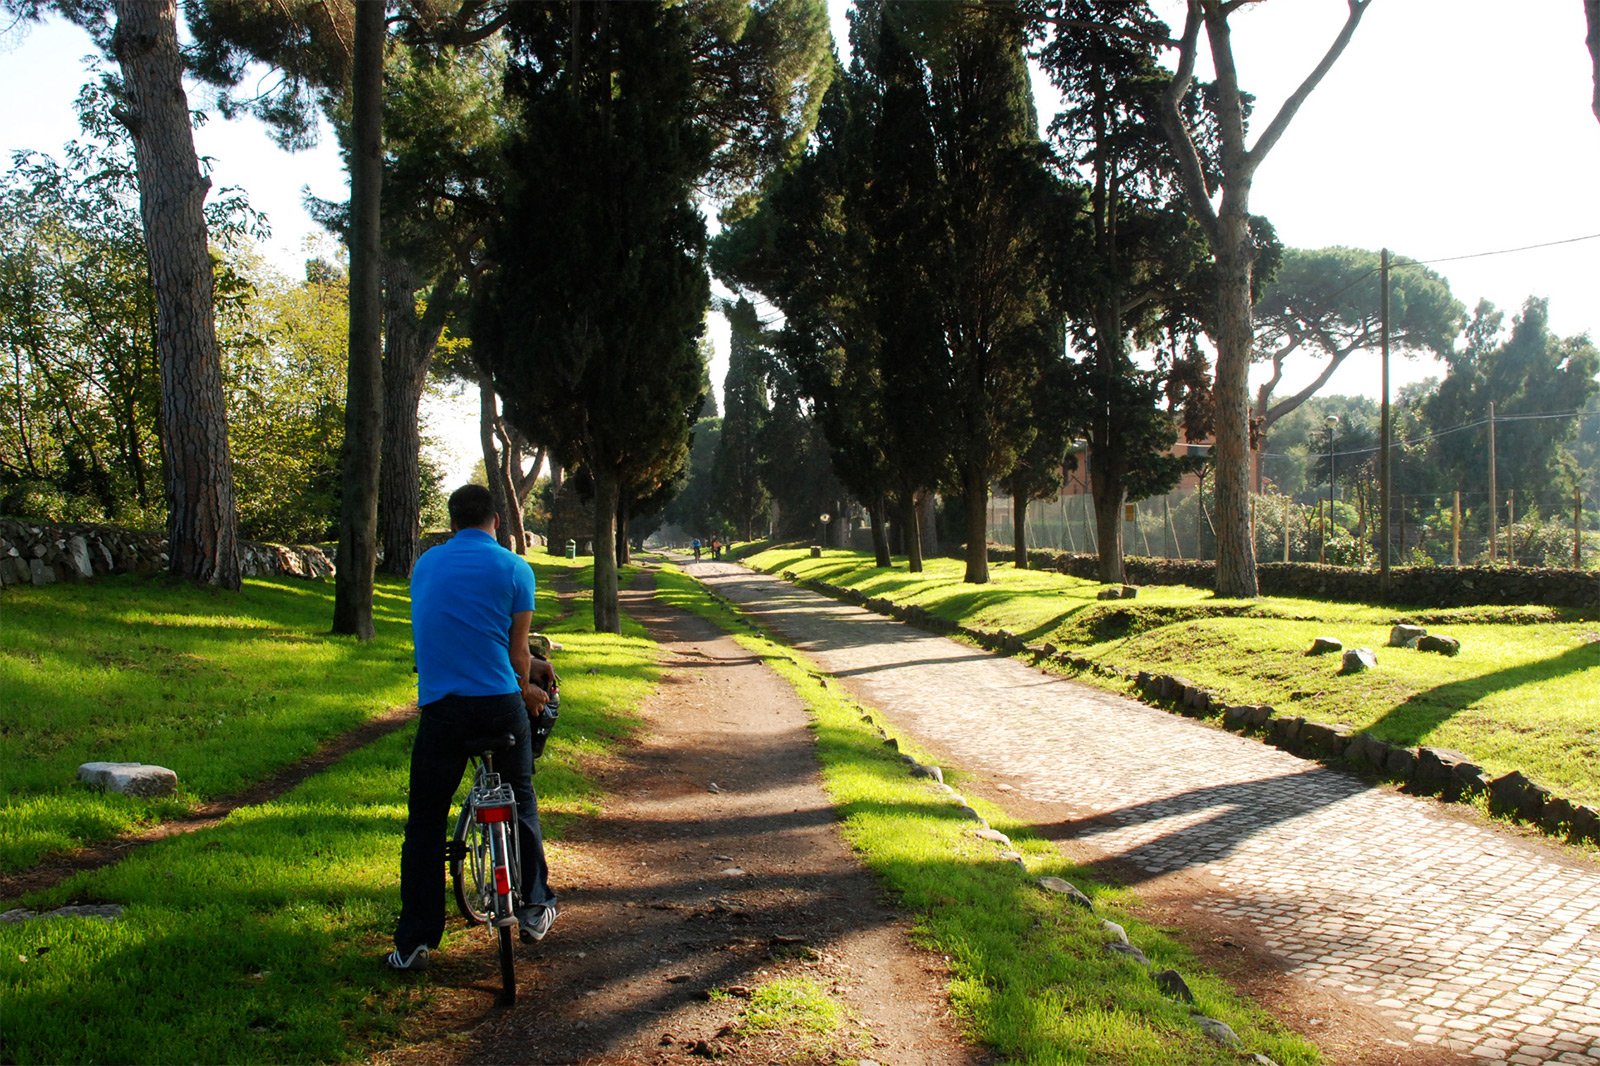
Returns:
point(258, 940)
point(222, 688)
point(1520, 696)
point(1032, 976)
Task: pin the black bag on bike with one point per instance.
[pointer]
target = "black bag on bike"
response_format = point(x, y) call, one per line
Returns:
point(543, 723)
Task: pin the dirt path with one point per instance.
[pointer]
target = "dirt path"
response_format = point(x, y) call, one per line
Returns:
point(715, 867)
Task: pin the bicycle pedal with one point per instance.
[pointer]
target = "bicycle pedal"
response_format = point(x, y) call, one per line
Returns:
point(455, 850)
point(503, 922)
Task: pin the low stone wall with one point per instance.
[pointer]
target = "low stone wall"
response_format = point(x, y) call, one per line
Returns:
point(1422, 770)
point(1434, 586)
point(35, 553)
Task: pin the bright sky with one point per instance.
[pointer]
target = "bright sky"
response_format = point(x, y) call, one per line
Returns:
point(1448, 128)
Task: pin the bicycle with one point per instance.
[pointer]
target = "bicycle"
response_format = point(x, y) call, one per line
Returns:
point(485, 855)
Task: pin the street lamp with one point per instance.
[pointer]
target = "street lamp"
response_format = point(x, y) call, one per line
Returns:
point(822, 533)
point(1332, 422)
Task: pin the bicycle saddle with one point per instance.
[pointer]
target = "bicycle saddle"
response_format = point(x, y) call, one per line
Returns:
point(492, 742)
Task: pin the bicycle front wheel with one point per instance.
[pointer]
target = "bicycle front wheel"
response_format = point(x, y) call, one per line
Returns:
point(472, 867)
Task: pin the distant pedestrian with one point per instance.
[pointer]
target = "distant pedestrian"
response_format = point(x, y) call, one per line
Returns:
point(716, 547)
point(696, 546)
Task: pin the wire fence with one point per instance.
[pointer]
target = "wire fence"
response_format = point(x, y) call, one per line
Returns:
point(1331, 510)
point(1424, 530)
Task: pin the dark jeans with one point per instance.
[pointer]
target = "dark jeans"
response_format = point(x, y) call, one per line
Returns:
point(438, 759)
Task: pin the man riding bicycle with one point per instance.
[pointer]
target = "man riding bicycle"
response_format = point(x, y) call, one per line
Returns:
point(471, 611)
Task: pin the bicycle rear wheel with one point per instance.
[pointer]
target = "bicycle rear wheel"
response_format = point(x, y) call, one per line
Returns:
point(508, 968)
point(472, 867)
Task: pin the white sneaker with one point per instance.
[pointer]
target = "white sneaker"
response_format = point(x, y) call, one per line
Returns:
point(415, 959)
point(535, 921)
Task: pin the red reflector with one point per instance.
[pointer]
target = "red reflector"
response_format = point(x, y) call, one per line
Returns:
point(494, 814)
point(502, 880)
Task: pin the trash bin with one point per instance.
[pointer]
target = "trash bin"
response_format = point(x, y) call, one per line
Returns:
point(572, 549)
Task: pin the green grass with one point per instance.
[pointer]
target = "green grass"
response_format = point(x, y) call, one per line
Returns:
point(1524, 694)
point(222, 688)
point(258, 940)
point(794, 1005)
point(1031, 976)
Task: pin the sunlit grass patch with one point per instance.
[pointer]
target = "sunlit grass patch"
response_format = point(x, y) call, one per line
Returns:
point(1030, 974)
point(259, 940)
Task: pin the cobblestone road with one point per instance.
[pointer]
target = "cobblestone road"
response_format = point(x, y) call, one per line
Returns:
point(1464, 936)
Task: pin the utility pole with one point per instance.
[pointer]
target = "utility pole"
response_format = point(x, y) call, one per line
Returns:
point(1383, 435)
point(1455, 530)
point(1494, 505)
point(1577, 529)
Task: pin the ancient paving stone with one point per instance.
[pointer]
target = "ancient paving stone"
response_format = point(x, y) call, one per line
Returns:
point(1391, 900)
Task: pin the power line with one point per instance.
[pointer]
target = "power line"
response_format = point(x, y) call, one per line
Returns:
point(1499, 419)
point(1505, 251)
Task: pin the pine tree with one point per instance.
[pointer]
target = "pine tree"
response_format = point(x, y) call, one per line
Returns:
point(736, 473)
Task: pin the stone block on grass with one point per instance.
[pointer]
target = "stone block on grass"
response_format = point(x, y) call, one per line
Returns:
point(1116, 947)
point(1585, 823)
point(1435, 772)
point(1556, 815)
point(1358, 661)
point(1404, 636)
point(1325, 646)
point(1443, 645)
point(1066, 888)
point(1237, 717)
point(1399, 763)
point(1514, 794)
point(1322, 738)
point(129, 778)
point(1285, 731)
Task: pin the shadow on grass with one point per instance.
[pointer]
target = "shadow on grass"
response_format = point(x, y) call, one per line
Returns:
point(1412, 721)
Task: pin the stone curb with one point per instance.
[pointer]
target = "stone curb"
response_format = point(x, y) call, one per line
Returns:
point(1438, 772)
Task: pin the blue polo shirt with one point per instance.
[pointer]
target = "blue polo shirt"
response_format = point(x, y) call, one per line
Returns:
point(463, 594)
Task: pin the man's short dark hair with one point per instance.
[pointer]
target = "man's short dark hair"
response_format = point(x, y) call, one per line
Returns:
point(470, 507)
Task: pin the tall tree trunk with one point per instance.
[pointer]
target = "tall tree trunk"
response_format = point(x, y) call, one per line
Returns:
point(1019, 530)
point(606, 493)
point(510, 478)
point(363, 412)
point(1228, 233)
point(555, 477)
point(624, 556)
point(409, 344)
point(494, 473)
point(911, 521)
point(1236, 556)
point(202, 521)
point(1110, 495)
point(1591, 12)
point(877, 514)
point(928, 511)
point(975, 485)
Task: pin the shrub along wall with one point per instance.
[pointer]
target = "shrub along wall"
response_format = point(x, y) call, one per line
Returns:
point(1435, 586)
point(33, 553)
